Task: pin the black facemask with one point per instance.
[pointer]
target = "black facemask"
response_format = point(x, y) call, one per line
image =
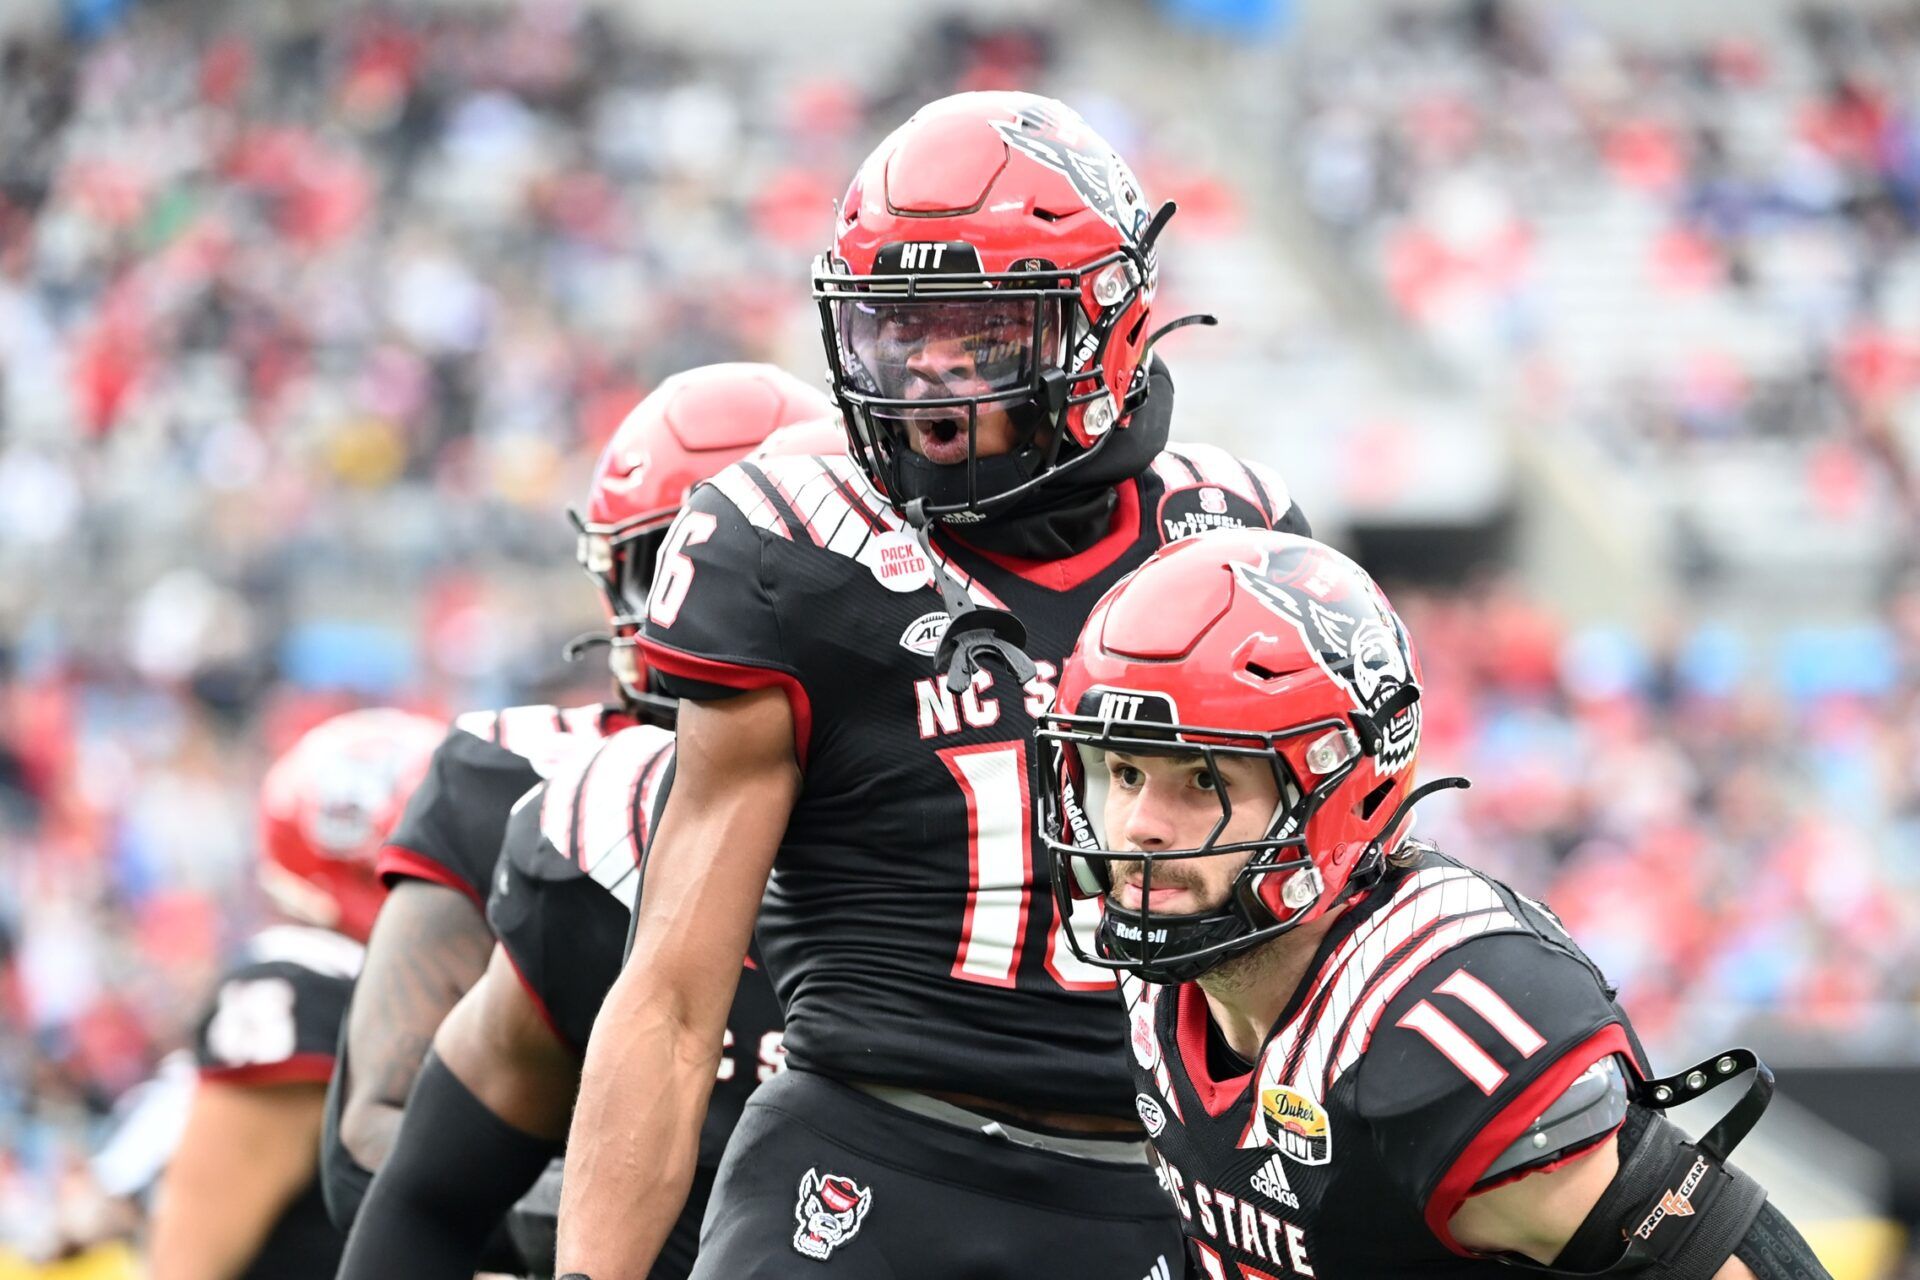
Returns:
point(1063, 519)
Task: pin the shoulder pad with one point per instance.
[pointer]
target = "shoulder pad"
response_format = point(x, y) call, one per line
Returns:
point(329, 954)
point(276, 1016)
point(1432, 910)
point(526, 847)
point(595, 812)
point(542, 735)
point(1207, 487)
point(1592, 1107)
point(828, 503)
point(825, 502)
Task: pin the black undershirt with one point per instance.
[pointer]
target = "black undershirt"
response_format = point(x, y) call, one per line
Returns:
point(1222, 1062)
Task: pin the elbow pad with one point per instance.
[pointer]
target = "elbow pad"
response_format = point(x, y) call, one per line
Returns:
point(1676, 1210)
point(455, 1169)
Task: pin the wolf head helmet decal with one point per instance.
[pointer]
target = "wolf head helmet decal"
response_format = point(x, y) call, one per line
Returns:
point(1356, 638)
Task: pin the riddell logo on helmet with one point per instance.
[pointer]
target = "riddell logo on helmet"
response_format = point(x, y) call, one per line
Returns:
point(1077, 825)
point(1084, 351)
point(1131, 932)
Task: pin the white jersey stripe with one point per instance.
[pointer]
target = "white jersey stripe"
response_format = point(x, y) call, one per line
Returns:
point(1416, 903)
point(1172, 473)
point(609, 835)
point(522, 730)
point(1445, 938)
point(1499, 1015)
point(1278, 496)
point(322, 951)
point(481, 724)
point(1451, 899)
point(737, 487)
point(1455, 1045)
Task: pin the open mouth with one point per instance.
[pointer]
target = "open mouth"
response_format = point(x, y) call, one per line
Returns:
point(941, 440)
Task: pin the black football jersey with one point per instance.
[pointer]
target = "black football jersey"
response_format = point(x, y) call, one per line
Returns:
point(563, 897)
point(275, 1019)
point(908, 925)
point(1443, 1014)
point(450, 832)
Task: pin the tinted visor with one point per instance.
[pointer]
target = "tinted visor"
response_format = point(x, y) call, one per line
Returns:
point(945, 353)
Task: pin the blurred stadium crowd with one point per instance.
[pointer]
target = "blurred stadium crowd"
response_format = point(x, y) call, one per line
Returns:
point(1677, 247)
point(307, 338)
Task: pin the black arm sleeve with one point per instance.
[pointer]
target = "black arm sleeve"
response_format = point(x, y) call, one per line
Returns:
point(343, 1180)
point(455, 1170)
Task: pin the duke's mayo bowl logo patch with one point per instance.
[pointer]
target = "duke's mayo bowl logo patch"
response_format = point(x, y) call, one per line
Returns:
point(1297, 1125)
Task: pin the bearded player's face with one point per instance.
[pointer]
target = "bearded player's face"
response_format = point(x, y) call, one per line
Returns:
point(1161, 802)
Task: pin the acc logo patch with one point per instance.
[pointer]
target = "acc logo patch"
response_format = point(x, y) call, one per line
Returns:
point(829, 1211)
point(1198, 508)
point(1151, 1114)
point(924, 633)
point(1297, 1125)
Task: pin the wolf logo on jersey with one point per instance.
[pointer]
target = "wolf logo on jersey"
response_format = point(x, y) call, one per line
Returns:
point(829, 1212)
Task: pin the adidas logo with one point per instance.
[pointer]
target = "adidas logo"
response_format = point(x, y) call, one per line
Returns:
point(1270, 1180)
point(1160, 1271)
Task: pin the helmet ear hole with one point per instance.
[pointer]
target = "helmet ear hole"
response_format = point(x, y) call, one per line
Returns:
point(1370, 805)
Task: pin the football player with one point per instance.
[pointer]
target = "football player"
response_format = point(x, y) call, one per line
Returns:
point(240, 1196)
point(431, 942)
point(491, 1104)
point(854, 724)
point(1355, 1055)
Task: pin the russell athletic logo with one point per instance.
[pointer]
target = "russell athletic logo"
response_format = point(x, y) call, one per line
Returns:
point(829, 1211)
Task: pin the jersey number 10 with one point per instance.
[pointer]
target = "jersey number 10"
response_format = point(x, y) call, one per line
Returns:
point(1000, 876)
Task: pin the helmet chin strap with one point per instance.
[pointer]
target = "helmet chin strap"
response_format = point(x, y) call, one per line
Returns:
point(974, 632)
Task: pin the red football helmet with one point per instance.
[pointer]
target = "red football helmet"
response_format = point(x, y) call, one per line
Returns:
point(693, 426)
point(327, 806)
point(1235, 642)
point(821, 438)
point(993, 254)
